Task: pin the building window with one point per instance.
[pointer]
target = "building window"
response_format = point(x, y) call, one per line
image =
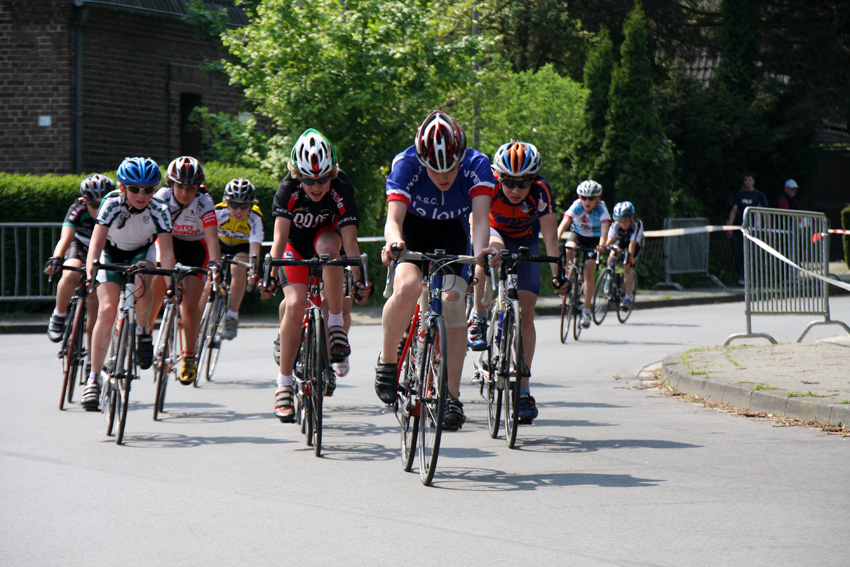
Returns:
point(191, 138)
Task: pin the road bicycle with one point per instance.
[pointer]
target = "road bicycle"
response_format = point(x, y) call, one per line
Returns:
point(610, 289)
point(168, 347)
point(212, 320)
point(120, 366)
point(313, 370)
point(500, 368)
point(422, 366)
point(73, 350)
point(573, 301)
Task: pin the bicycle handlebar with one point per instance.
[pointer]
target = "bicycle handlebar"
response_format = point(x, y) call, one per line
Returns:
point(438, 257)
point(315, 262)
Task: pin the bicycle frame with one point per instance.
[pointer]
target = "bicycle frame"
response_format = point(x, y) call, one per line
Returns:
point(73, 349)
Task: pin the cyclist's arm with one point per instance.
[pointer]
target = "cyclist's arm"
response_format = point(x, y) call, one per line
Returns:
point(396, 211)
point(211, 236)
point(98, 241)
point(351, 248)
point(550, 239)
point(166, 251)
point(66, 237)
point(481, 224)
point(566, 222)
point(603, 236)
point(282, 225)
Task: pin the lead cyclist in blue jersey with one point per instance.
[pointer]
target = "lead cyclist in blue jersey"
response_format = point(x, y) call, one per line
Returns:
point(432, 188)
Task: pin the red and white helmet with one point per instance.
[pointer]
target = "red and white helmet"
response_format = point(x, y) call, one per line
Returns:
point(440, 143)
point(186, 170)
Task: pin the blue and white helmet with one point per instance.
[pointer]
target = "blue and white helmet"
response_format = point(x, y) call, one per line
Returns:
point(139, 171)
point(624, 209)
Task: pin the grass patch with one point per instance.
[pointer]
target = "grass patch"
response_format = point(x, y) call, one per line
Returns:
point(763, 387)
point(802, 395)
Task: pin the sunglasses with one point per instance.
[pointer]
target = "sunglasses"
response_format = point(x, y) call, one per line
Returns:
point(511, 184)
point(583, 198)
point(240, 206)
point(320, 181)
point(143, 189)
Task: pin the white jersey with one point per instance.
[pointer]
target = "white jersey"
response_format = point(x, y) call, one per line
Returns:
point(587, 224)
point(189, 221)
point(130, 228)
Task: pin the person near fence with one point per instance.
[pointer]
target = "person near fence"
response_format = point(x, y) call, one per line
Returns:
point(626, 233)
point(432, 188)
point(240, 234)
point(315, 213)
point(129, 221)
point(586, 223)
point(788, 199)
point(521, 208)
point(747, 196)
point(72, 247)
point(195, 241)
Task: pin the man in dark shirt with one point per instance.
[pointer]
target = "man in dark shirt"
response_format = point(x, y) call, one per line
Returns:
point(747, 196)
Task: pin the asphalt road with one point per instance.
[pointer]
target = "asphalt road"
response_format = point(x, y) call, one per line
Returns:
point(609, 474)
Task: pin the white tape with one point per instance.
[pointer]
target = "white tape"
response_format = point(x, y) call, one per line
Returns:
point(690, 230)
point(767, 248)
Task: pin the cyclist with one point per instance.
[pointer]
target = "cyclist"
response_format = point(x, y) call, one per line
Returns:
point(240, 234)
point(431, 190)
point(195, 238)
point(73, 246)
point(589, 219)
point(315, 213)
point(521, 208)
point(626, 233)
point(128, 222)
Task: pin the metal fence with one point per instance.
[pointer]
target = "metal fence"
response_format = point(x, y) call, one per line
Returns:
point(24, 248)
point(687, 253)
point(786, 266)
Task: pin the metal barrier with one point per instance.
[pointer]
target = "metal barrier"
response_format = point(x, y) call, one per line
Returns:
point(24, 248)
point(686, 254)
point(785, 267)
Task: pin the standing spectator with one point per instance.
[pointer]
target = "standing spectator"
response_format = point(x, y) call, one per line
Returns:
point(747, 196)
point(788, 199)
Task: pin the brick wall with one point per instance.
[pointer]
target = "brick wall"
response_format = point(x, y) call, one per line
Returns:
point(135, 67)
point(35, 84)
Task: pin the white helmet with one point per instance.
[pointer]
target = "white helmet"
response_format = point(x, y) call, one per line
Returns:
point(589, 188)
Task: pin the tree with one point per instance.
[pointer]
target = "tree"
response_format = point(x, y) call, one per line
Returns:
point(364, 72)
point(636, 154)
point(597, 82)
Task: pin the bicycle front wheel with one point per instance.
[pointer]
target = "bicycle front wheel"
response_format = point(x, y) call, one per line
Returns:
point(109, 396)
point(72, 362)
point(125, 378)
point(433, 391)
point(318, 376)
point(512, 369)
point(601, 296)
point(623, 313)
point(566, 314)
point(213, 347)
point(406, 405)
point(577, 294)
point(491, 380)
point(162, 359)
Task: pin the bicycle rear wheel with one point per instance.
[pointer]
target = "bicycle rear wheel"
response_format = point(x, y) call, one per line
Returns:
point(72, 361)
point(601, 296)
point(623, 314)
point(433, 391)
point(511, 370)
point(491, 380)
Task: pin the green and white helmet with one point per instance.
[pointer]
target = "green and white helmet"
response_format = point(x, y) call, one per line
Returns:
point(313, 155)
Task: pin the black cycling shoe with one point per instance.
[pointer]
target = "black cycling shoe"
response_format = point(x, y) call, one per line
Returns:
point(454, 418)
point(144, 351)
point(386, 381)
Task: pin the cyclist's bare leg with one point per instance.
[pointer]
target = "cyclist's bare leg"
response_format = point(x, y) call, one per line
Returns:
point(527, 301)
point(157, 290)
point(455, 316)
point(292, 307)
point(107, 296)
point(398, 309)
point(193, 288)
point(67, 285)
point(329, 243)
point(571, 253)
point(589, 268)
point(238, 282)
point(144, 303)
point(628, 276)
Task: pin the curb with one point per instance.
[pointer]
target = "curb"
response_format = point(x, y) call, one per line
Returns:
point(742, 396)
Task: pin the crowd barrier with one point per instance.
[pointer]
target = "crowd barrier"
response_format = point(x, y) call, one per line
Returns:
point(686, 253)
point(24, 249)
point(786, 268)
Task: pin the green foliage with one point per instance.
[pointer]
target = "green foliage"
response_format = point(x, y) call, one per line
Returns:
point(364, 73)
point(737, 35)
point(520, 106)
point(208, 23)
point(636, 155)
point(226, 138)
point(845, 224)
point(597, 81)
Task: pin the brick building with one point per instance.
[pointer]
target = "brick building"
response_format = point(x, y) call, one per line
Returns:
point(84, 83)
